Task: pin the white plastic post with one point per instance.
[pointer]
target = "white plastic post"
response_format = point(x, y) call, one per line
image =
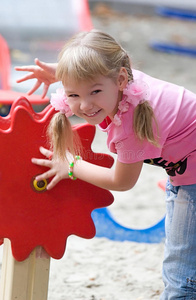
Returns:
point(26, 280)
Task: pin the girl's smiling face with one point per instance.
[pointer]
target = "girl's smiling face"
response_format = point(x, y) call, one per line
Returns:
point(94, 100)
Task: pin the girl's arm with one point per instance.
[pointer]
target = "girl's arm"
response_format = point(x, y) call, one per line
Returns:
point(43, 72)
point(121, 178)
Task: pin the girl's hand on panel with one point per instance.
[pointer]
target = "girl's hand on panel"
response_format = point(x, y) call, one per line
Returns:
point(43, 72)
point(58, 169)
point(122, 178)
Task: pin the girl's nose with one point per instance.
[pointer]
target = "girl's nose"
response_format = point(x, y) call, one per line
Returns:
point(86, 105)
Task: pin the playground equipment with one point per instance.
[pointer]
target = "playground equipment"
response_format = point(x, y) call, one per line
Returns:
point(170, 47)
point(4, 73)
point(174, 48)
point(7, 96)
point(178, 13)
point(81, 8)
point(4, 65)
point(107, 226)
point(37, 222)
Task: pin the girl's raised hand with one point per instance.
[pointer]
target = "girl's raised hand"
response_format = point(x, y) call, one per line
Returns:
point(58, 169)
point(43, 72)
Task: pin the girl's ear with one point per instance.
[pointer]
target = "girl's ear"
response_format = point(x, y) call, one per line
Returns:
point(122, 79)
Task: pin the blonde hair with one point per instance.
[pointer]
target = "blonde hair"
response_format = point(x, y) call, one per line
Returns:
point(62, 138)
point(90, 54)
point(143, 120)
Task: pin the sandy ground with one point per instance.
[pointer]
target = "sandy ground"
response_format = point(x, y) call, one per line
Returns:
point(101, 269)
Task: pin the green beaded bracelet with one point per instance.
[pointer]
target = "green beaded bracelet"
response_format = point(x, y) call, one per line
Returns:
point(71, 165)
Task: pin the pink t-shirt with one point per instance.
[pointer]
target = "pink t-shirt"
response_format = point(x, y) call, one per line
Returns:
point(175, 111)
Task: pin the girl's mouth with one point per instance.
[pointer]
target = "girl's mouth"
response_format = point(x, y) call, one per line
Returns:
point(93, 114)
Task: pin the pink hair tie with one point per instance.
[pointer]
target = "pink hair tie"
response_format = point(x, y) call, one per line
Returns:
point(60, 103)
point(137, 92)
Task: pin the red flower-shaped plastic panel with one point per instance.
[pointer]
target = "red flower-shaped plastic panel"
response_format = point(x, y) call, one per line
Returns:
point(30, 218)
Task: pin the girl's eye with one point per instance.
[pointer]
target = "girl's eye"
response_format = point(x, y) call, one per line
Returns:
point(73, 96)
point(96, 92)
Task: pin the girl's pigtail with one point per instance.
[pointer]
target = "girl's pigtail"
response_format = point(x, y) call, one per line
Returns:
point(126, 63)
point(62, 138)
point(143, 121)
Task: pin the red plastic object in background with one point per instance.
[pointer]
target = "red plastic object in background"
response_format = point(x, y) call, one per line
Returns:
point(7, 97)
point(162, 184)
point(29, 217)
point(4, 64)
point(83, 15)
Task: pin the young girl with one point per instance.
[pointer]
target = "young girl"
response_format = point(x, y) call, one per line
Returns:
point(146, 119)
